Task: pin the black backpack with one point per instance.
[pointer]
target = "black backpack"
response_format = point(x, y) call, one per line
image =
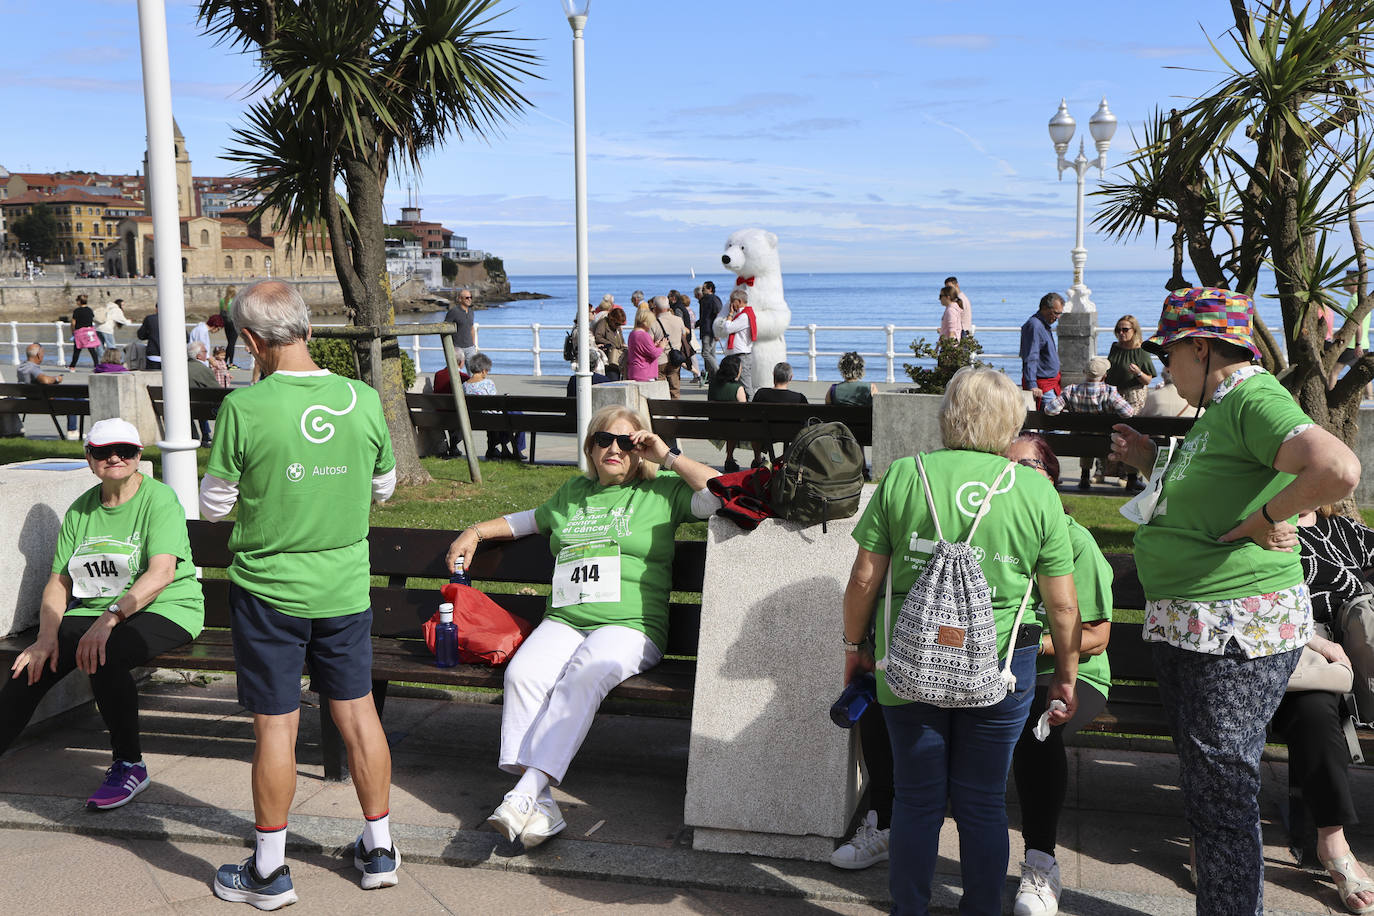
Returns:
point(570, 346)
point(820, 476)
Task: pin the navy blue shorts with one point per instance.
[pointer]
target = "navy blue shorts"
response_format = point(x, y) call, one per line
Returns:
point(271, 649)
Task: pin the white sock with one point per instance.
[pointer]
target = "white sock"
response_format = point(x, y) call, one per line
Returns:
point(1041, 860)
point(270, 852)
point(377, 832)
point(533, 782)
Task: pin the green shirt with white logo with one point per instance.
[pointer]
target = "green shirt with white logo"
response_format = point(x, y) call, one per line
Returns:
point(1024, 534)
point(1220, 474)
point(1092, 580)
point(105, 550)
point(609, 539)
point(303, 449)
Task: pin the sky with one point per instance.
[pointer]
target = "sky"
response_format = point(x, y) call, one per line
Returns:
point(873, 135)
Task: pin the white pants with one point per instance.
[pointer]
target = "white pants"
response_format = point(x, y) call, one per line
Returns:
point(554, 685)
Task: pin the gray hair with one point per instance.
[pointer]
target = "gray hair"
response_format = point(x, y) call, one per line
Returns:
point(637, 295)
point(479, 363)
point(274, 311)
point(596, 360)
point(782, 373)
point(194, 348)
point(660, 303)
point(739, 294)
point(851, 366)
point(34, 349)
point(696, 292)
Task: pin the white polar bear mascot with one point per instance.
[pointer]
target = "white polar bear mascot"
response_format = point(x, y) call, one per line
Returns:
point(753, 255)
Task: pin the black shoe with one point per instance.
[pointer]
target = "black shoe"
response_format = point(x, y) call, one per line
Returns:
point(493, 455)
point(756, 463)
point(731, 465)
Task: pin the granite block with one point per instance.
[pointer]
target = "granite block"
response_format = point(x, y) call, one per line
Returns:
point(904, 424)
point(125, 395)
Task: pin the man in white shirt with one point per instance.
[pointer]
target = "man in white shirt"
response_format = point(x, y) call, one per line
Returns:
point(738, 329)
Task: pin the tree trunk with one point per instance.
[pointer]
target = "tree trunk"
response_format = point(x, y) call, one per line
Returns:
point(373, 307)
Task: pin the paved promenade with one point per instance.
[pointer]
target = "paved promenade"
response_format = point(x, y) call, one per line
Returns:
point(1123, 837)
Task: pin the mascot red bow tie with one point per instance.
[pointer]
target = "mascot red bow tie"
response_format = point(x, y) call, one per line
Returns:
point(746, 281)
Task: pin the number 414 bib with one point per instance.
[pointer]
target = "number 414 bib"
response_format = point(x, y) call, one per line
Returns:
point(587, 574)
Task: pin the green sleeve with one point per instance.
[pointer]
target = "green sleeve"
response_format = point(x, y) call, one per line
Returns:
point(554, 505)
point(226, 449)
point(1056, 551)
point(386, 459)
point(1092, 575)
point(166, 524)
point(871, 532)
point(680, 496)
point(1264, 422)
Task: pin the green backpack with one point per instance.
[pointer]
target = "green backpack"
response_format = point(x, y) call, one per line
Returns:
point(820, 476)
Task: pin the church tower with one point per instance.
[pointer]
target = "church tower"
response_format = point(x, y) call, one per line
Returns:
point(186, 195)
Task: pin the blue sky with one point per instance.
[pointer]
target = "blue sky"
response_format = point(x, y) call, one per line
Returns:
point(877, 135)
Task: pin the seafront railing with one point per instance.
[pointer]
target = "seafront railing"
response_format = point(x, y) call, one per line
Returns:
point(529, 345)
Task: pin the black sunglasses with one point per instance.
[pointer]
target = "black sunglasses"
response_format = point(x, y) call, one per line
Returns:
point(1033, 463)
point(103, 452)
point(603, 439)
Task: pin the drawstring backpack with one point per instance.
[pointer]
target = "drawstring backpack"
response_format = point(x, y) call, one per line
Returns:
point(943, 647)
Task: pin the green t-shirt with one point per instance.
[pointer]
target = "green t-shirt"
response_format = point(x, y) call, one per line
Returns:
point(857, 393)
point(1220, 474)
point(303, 449)
point(104, 551)
point(631, 527)
point(1119, 375)
point(1025, 533)
point(1092, 580)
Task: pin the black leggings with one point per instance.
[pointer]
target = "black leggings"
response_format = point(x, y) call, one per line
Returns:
point(76, 354)
point(878, 759)
point(231, 338)
point(1309, 721)
point(1041, 768)
point(132, 643)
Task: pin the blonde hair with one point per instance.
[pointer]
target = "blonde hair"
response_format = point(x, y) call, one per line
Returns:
point(604, 419)
point(1136, 337)
point(983, 411)
point(644, 316)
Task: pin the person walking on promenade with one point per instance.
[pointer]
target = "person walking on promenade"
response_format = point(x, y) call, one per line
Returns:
point(303, 453)
point(85, 338)
point(465, 338)
point(1131, 369)
point(963, 303)
point(1039, 353)
point(122, 590)
point(739, 328)
point(1226, 606)
point(708, 309)
point(641, 352)
point(114, 318)
point(952, 326)
point(231, 333)
point(671, 334)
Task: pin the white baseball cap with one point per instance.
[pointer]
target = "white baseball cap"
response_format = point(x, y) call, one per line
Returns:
point(113, 431)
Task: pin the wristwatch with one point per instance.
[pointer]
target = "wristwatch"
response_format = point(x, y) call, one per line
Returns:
point(114, 609)
point(673, 455)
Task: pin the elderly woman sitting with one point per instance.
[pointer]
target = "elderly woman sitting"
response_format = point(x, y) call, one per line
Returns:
point(611, 532)
point(946, 758)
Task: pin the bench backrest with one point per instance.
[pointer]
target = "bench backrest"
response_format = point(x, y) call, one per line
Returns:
point(684, 419)
point(405, 554)
point(205, 402)
point(1087, 434)
point(37, 398)
point(511, 412)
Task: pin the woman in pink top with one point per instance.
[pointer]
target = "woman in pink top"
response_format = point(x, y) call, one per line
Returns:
point(952, 321)
point(641, 353)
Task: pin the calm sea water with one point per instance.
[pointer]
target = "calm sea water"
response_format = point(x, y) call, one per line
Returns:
point(906, 300)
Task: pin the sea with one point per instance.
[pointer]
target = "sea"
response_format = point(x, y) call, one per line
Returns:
point(851, 312)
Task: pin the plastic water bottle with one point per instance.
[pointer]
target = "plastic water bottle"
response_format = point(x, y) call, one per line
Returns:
point(459, 574)
point(855, 699)
point(446, 638)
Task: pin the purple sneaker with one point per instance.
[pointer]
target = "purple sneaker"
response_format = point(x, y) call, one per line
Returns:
point(122, 782)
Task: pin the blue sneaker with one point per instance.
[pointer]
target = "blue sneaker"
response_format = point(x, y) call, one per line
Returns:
point(242, 884)
point(378, 866)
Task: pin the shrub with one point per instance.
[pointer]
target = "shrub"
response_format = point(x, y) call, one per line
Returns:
point(949, 355)
point(337, 356)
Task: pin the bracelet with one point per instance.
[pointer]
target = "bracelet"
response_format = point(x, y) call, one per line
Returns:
point(851, 646)
point(1264, 510)
point(476, 532)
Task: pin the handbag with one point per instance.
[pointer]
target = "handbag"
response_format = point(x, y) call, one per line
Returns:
point(488, 634)
point(86, 338)
point(675, 355)
point(1316, 672)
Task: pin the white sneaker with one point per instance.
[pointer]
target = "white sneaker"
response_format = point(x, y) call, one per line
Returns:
point(73, 434)
point(868, 846)
point(545, 821)
point(512, 814)
point(1040, 887)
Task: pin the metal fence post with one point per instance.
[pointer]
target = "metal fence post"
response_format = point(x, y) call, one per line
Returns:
point(14, 340)
point(891, 354)
point(811, 352)
point(538, 369)
point(61, 344)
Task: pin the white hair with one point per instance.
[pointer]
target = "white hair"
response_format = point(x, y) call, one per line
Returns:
point(274, 311)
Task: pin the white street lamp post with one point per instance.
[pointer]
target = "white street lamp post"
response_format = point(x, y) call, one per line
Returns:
point(1102, 125)
point(576, 11)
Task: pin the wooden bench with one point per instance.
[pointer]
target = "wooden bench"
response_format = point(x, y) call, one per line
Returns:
point(769, 423)
point(54, 400)
point(512, 413)
point(400, 607)
point(205, 403)
point(1088, 435)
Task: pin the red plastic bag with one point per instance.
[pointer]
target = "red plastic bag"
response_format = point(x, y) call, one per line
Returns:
point(488, 634)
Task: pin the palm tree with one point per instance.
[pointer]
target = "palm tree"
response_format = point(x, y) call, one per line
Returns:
point(1259, 172)
point(357, 89)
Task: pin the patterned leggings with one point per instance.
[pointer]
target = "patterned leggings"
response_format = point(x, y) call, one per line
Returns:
point(1218, 707)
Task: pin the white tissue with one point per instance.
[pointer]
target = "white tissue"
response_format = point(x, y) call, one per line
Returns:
point(1042, 727)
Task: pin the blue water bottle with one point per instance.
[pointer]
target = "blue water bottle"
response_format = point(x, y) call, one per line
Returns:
point(459, 574)
point(446, 638)
point(855, 699)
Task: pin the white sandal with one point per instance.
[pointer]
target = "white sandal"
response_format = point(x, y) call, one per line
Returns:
point(1347, 885)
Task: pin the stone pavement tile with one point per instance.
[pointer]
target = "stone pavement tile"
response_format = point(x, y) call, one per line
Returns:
point(758, 905)
point(218, 781)
point(1135, 853)
point(58, 874)
point(498, 893)
point(1129, 781)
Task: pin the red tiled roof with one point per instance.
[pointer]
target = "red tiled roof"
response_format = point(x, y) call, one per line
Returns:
point(71, 196)
point(252, 244)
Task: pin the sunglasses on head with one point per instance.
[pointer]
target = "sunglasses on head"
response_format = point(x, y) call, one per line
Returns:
point(604, 439)
point(1035, 463)
point(103, 452)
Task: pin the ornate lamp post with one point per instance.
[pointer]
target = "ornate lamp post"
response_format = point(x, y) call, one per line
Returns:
point(1078, 325)
point(576, 11)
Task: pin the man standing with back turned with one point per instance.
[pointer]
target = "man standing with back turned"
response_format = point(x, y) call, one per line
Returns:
point(304, 453)
point(1039, 354)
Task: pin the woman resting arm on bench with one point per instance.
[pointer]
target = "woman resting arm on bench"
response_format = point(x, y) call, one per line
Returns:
point(612, 532)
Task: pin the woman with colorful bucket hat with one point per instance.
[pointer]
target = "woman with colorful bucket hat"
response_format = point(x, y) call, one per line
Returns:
point(1226, 606)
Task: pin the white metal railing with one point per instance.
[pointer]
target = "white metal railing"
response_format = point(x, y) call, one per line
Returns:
point(57, 335)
